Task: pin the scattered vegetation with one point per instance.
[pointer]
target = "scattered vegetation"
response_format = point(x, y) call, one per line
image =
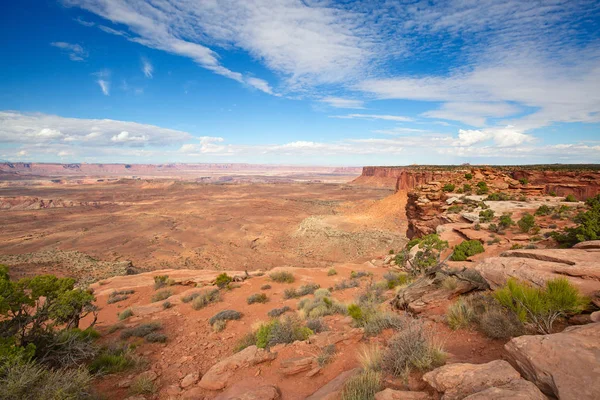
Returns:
point(523, 181)
point(331, 272)
point(257, 298)
point(486, 215)
point(320, 307)
point(265, 287)
point(482, 188)
point(142, 385)
point(526, 223)
point(226, 315)
point(428, 255)
point(467, 249)
point(326, 355)
point(316, 325)
point(118, 296)
point(160, 281)
point(541, 307)
point(498, 197)
point(543, 210)
point(288, 329)
point(448, 187)
point(126, 313)
point(454, 209)
point(571, 198)
point(362, 386)
point(460, 314)
point(113, 359)
point(223, 280)
point(161, 295)
point(394, 279)
point(166, 305)
point(468, 176)
point(141, 331)
point(276, 312)
point(467, 188)
point(588, 227)
point(359, 274)
point(219, 326)
point(303, 290)
point(505, 221)
point(282, 277)
point(202, 299)
point(346, 284)
point(156, 337)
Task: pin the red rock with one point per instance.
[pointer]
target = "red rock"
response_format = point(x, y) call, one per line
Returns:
point(390, 394)
point(334, 387)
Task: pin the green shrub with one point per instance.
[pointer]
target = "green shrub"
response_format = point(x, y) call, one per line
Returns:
point(285, 330)
point(588, 227)
point(156, 337)
point(203, 299)
point(448, 187)
point(455, 209)
point(331, 272)
point(498, 197)
point(118, 296)
point(468, 176)
point(160, 281)
point(467, 188)
point(543, 210)
point(162, 295)
point(362, 386)
point(304, 290)
point(541, 307)
point(125, 314)
point(282, 277)
point(467, 249)
point(553, 194)
point(571, 198)
point(113, 359)
point(226, 315)
point(428, 255)
point(141, 330)
point(166, 305)
point(482, 188)
point(505, 221)
point(394, 279)
point(257, 298)
point(316, 325)
point(526, 223)
point(412, 349)
point(346, 284)
point(223, 280)
point(356, 313)
point(276, 312)
point(460, 314)
point(486, 215)
point(523, 181)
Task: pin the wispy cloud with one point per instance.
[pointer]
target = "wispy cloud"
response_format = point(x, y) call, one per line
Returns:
point(147, 68)
point(75, 51)
point(397, 118)
point(102, 79)
point(104, 86)
point(339, 102)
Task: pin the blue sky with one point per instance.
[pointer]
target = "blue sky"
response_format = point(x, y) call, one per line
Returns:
point(300, 82)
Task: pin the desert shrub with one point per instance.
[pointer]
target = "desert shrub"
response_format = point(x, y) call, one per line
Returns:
point(189, 297)
point(450, 283)
point(588, 227)
point(571, 198)
point(460, 314)
point(68, 348)
point(142, 385)
point(454, 209)
point(428, 255)
point(202, 299)
point(113, 359)
point(482, 188)
point(303, 290)
point(322, 293)
point(285, 330)
point(505, 221)
point(498, 324)
point(223, 280)
point(346, 284)
point(523, 181)
point(493, 241)
point(326, 355)
point(467, 188)
point(161, 295)
point(362, 386)
point(320, 307)
point(468, 176)
point(126, 313)
point(160, 281)
point(400, 258)
point(265, 287)
point(412, 349)
point(499, 196)
point(477, 226)
point(541, 307)
point(156, 337)
point(32, 381)
point(543, 210)
point(257, 298)
point(526, 223)
point(166, 305)
point(331, 272)
point(467, 249)
point(369, 315)
point(316, 325)
point(282, 277)
point(226, 315)
point(359, 274)
point(553, 194)
point(370, 357)
point(116, 327)
point(249, 339)
point(118, 296)
point(141, 330)
point(516, 246)
point(448, 187)
point(394, 279)
point(276, 312)
point(486, 215)
point(493, 228)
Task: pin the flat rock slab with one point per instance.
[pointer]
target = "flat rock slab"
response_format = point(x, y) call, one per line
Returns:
point(390, 394)
point(565, 365)
point(515, 390)
point(334, 387)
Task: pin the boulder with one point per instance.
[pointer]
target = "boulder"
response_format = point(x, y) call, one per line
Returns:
point(565, 365)
point(249, 391)
point(219, 375)
point(595, 316)
point(580, 267)
point(327, 338)
point(519, 389)
point(591, 244)
point(459, 380)
point(390, 394)
point(293, 366)
point(334, 387)
point(189, 380)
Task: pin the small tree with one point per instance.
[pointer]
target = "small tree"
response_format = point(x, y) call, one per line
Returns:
point(430, 249)
point(486, 215)
point(468, 176)
point(505, 221)
point(448, 187)
point(526, 223)
point(482, 188)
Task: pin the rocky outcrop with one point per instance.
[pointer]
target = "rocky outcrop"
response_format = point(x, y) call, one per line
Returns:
point(519, 389)
point(250, 391)
point(220, 374)
point(581, 184)
point(564, 365)
point(333, 388)
point(459, 381)
point(390, 394)
point(581, 266)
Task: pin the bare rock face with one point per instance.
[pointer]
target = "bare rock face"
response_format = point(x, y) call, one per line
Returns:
point(515, 390)
point(293, 366)
point(457, 381)
point(390, 394)
point(219, 375)
point(249, 391)
point(565, 365)
point(333, 388)
point(327, 338)
point(580, 266)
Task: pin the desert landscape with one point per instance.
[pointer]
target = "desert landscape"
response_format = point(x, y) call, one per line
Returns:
point(340, 272)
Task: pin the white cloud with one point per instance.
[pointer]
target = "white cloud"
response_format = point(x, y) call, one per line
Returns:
point(400, 131)
point(126, 137)
point(502, 137)
point(259, 84)
point(104, 86)
point(75, 51)
point(339, 102)
point(397, 118)
point(147, 68)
